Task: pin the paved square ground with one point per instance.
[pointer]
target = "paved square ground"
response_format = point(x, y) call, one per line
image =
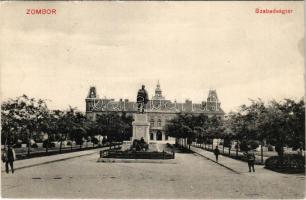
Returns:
point(191, 176)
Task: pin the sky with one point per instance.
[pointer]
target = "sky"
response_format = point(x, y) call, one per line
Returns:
point(189, 47)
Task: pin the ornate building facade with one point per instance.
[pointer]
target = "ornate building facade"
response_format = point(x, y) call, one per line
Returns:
point(159, 110)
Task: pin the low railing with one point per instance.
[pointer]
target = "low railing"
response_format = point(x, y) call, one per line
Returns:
point(136, 154)
point(56, 150)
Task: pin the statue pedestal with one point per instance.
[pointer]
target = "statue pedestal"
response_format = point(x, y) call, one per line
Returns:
point(141, 127)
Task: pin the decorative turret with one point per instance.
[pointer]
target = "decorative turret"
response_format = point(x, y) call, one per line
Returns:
point(91, 97)
point(158, 93)
point(213, 103)
point(92, 92)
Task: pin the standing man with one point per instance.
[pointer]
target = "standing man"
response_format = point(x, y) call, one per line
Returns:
point(251, 159)
point(216, 152)
point(10, 158)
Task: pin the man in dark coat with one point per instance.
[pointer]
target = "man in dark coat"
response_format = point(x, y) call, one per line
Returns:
point(142, 99)
point(250, 155)
point(216, 152)
point(9, 157)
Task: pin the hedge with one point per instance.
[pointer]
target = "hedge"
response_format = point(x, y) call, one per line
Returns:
point(290, 163)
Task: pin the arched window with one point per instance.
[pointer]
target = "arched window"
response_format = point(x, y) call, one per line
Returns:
point(159, 135)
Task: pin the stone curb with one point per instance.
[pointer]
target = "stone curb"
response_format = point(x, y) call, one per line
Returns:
point(217, 162)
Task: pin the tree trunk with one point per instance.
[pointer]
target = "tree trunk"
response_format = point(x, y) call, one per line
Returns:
point(60, 150)
point(261, 151)
point(29, 141)
point(237, 148)
point(66, 135)
point(47, 145)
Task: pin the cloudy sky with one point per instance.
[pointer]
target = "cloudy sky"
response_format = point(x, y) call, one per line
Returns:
point(189, 47)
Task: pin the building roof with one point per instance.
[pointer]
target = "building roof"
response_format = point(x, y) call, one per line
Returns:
point(158, 103)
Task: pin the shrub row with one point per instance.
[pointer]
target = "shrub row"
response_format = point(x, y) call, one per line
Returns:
point(289, 163)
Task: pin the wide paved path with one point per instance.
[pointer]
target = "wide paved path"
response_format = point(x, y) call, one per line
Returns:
point(192, 176)
point(20, 164)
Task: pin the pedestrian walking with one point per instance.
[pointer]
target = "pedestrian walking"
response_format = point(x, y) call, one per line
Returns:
point(216, 152)
point(250, 155)
point(9, 156)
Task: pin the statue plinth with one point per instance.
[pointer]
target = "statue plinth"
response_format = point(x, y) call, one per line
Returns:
point(141, 127)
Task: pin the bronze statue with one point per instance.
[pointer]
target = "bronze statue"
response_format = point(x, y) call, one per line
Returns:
point(142, 99)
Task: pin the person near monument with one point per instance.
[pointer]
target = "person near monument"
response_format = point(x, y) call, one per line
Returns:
point(300, 151)
point(142, 142)
point(216, 152)
point(142, 99)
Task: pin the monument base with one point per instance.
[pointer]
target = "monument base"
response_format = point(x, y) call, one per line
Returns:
point(141, 127)
point(149, 151)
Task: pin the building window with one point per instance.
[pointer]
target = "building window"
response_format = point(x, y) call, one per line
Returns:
point(159, 136)
point(152, 123)
point(213, 108)
point(166, 137)
point(159, 123)
point(151, 136)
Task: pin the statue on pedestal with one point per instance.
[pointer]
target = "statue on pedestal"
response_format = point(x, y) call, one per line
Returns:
point(142, 99)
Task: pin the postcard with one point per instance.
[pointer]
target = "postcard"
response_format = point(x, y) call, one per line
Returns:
point(152, 99)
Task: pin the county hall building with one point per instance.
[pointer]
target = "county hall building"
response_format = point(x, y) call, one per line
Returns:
point(159, 110)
